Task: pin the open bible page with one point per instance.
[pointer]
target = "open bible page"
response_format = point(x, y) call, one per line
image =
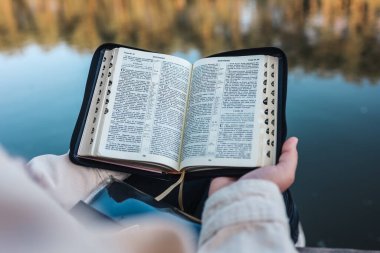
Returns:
point(223, 119)
point(146, 108)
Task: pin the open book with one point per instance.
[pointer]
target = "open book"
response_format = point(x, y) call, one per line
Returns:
point(155, 113)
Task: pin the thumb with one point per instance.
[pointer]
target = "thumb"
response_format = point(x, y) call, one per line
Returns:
point(220, 182)
point(287, 164)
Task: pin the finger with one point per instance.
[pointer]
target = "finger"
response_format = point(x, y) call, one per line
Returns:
point(289, 157)
point(290, 144)
point(289, 152)
point(220, 182)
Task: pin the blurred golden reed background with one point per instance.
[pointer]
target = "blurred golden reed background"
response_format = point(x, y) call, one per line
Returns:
point(328, 37)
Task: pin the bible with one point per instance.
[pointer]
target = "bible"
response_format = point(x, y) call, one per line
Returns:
point(156, 114)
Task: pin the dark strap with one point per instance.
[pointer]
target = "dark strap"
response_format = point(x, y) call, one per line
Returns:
point(293, 215)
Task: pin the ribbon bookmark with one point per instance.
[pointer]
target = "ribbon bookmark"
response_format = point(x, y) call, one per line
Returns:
point(180, 193)
point(179, 182)
point(171, 188)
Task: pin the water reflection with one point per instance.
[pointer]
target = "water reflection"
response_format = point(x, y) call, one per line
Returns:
point(321, 36)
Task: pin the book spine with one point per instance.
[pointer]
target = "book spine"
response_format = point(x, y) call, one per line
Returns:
point(87, 140)
point(99, 95)
point(265, 154)
point(274, 105)
point(103, 109)
point(270, 104)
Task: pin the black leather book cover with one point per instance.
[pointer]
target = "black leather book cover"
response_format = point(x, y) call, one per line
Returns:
point(90, 86)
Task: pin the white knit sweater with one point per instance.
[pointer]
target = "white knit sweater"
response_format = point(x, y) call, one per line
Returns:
point(247, 216)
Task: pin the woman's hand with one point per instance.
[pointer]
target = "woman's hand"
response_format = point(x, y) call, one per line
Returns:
point(282, 174)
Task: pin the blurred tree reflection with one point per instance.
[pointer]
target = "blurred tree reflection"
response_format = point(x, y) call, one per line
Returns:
point(323, 36)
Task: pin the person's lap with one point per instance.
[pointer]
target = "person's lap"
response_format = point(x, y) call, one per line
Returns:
point(195, 193)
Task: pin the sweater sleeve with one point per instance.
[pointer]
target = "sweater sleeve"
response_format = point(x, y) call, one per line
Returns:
point(66, 182)
point(247, 216)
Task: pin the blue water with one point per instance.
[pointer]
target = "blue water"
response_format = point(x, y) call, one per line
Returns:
point(337, 121)
point(40, 99)
point(131, 208)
